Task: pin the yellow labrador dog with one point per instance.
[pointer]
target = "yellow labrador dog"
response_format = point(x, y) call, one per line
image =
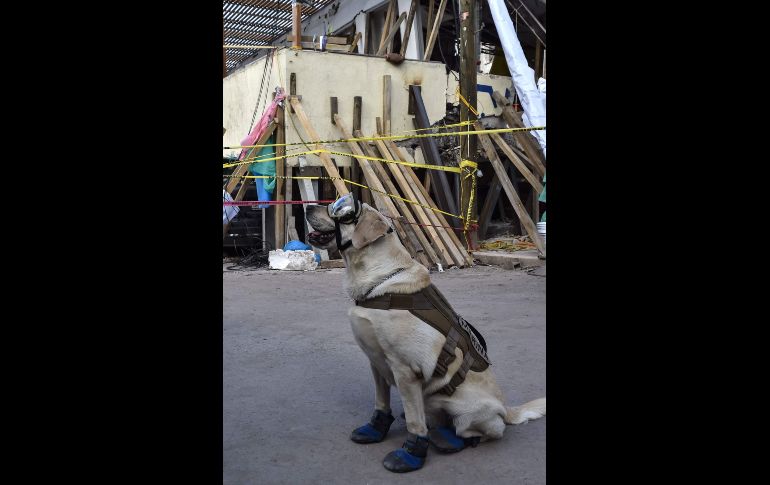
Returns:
point(402, 349)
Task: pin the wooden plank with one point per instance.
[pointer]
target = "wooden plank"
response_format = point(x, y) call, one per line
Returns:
point(393, 28)
point(411, 242)
point(385, 26)
point(333, 106)
point(328, 47)
point(280, 165)
point(383, 203)
point(296, 23)
point(357, 100)
point(386, 104)
point(443, 255)
point(441, 218)
point(493, 195)
point(431, 4)
point(535, 195)
point(329, 39)
point(513, 196)
point(533, 167)
point(391, 34)
point(408, 28)
point(307, 192)
point(513, 120)
point(241, 170)
point(516, 161)
point(291, 223)
point(421, 212)
point(404, 209)
point(469, 90)
point(430, 153)
point(434, 30)
point(354, 45)
point(292, 88)
point(331, 169)
point(424, 251)
point(457, 253)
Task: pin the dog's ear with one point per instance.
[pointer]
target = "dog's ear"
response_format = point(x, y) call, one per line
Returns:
point(369, 228)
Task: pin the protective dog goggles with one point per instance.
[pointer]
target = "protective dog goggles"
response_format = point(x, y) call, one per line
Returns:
point(345, 210)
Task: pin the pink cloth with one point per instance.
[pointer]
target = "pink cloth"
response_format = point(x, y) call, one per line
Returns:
point(261, 126)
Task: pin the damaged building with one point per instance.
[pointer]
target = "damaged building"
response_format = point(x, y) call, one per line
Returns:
point(326, 97)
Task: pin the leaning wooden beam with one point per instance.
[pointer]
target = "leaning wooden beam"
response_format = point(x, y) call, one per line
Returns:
point(280, 172)
point(241, 170)
point(386, 25)
point(408, 29)
point(489, 206)
point(527, 140)
point(424, 197)
point(434, 30)
point(411, 242)
point(404, 209)
point(354, 45)
point(518, 206)
point(291, 223)
point(331, 169)
point(391, 34)
point(432, 253)
point(382, 202)
point(457, 252)
point(428, 21)
point(532, 166)
point(386, 92)
point(427, 216)
point(452, 243)
point(308, 192)
point(441, 189)
point(419, 211)
point(516, 161)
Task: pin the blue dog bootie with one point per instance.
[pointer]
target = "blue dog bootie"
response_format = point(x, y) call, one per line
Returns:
point(410, 457)
point(446, 440)
point(375, 430)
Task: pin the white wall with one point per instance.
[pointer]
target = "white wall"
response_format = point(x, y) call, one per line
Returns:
point(321, 75)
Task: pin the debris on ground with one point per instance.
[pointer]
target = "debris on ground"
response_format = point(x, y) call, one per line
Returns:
point(518, 243)
point(298, 260)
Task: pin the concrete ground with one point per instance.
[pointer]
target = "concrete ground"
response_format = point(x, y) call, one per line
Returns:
point(295, 383)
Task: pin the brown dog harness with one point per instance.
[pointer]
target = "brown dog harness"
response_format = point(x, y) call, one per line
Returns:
point(430, 306)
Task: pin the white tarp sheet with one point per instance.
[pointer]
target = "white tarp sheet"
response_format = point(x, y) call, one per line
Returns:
point(228, 211)
point(532, 100)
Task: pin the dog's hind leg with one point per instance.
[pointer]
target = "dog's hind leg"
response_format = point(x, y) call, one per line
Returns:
point(377, 428)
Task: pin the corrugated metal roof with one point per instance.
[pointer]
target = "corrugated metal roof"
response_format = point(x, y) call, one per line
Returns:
point(259, 22)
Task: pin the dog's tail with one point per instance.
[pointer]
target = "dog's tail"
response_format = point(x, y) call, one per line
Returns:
point(521, 414)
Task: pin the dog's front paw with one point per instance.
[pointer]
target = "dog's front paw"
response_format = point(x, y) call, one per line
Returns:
point(410, 457)
point(375, 430)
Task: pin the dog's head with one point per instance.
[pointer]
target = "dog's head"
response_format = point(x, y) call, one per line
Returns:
point(358, 224)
